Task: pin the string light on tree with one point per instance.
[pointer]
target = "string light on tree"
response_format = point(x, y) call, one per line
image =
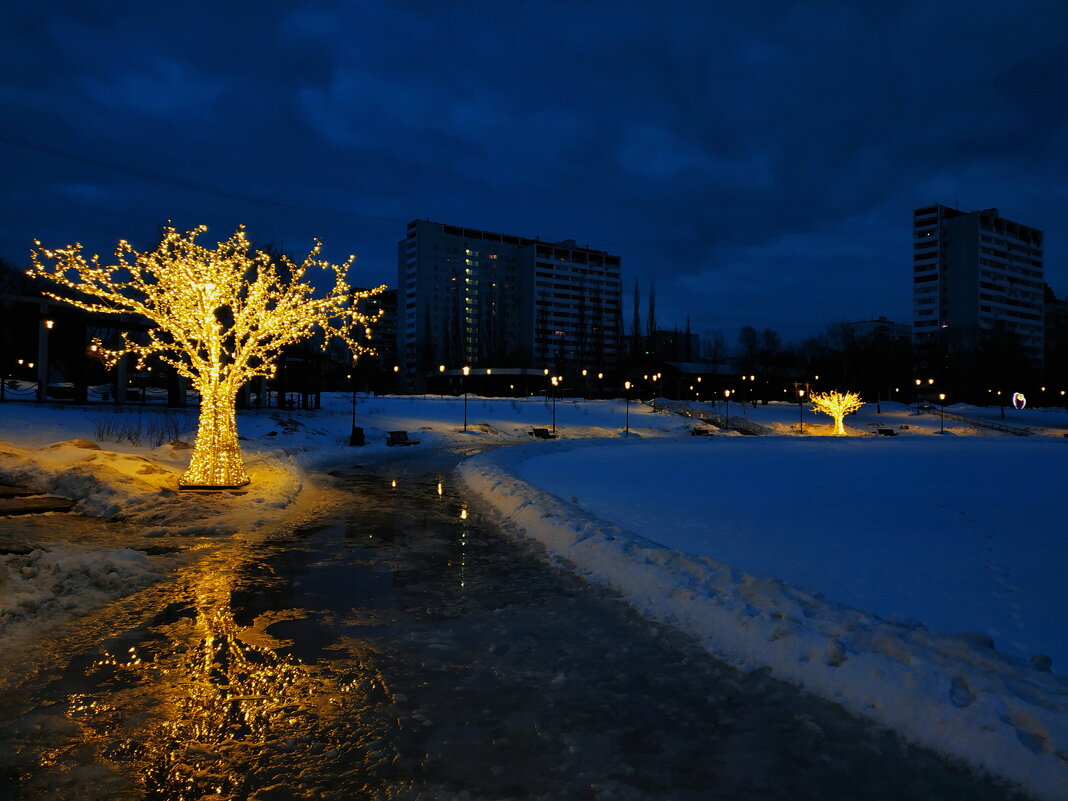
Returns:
point(218, 316)
point(837, 405)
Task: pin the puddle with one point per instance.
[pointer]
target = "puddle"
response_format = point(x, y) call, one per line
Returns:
point(406, 650)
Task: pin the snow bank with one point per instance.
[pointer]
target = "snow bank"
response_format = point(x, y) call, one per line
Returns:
point(143, 488)
point(953, 693)
point(61, 581)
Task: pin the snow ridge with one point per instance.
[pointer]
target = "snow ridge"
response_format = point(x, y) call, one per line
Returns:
point(61, 581)
point(953, 693)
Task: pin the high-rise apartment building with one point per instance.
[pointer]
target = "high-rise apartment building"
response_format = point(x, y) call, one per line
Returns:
point(976, 272)
point(476, 298)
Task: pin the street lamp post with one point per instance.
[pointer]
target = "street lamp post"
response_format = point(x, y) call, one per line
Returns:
point(800, 409)
point(352, 378)
point(554, 382)
point(466, 372)
point(356, 438)
point(626, 401)
point(727, 395)
point(942, 403)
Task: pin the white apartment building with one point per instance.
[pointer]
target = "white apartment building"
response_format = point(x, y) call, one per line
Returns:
point(974, 272)
point(483, 299)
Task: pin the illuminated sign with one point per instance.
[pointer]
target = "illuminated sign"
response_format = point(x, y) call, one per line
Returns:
point(1018, 400)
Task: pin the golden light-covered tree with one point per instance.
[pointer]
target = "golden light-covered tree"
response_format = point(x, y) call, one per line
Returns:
point(219, 316)
point(837, 405)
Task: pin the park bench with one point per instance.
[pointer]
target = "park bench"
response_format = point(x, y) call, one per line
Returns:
point(400, 438)
point(542, 433)
point(887, 432)
point(700, 432)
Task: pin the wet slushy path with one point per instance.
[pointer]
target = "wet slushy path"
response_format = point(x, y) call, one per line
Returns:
point(407, 650)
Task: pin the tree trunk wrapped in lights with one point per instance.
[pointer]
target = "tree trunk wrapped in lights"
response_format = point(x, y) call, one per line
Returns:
point(219, 317)
point(837, 405)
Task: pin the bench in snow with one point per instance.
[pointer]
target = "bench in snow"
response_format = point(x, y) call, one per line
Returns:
point(400, 438)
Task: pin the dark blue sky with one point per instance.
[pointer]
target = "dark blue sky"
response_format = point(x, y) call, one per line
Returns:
point(758, 161)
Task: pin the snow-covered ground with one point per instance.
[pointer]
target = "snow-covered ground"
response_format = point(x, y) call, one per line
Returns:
point(909, 578)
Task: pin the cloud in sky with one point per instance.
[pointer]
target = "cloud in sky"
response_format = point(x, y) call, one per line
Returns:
point(758, 162)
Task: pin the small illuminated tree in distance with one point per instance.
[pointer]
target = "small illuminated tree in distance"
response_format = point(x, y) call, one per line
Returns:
point(218, 316)
point(837, 405)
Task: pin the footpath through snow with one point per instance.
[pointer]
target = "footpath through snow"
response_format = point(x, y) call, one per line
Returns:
point(953, 693)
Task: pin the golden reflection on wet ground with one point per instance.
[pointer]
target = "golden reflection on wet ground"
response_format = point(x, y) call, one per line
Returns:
point(203, 712)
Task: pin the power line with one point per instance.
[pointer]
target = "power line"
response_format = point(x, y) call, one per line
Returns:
point(185, 184)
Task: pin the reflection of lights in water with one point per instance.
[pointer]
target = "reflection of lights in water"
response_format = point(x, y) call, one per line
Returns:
point(231, 716)
point(440, 489)
point(463, 547)
point(393, 483)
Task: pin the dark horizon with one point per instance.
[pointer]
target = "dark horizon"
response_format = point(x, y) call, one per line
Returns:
point(760, 166)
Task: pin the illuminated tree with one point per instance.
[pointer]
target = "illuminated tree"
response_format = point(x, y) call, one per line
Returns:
point(837, 405)
point(218, 316)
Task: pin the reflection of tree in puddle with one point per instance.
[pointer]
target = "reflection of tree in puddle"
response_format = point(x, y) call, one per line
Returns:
point(230, 716)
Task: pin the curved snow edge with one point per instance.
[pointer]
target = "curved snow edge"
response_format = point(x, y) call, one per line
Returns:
point(952, 693)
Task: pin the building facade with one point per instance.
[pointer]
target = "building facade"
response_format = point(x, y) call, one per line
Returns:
point(976, 273)
point(383, 338)
point(880, 329)
point(474, 298)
